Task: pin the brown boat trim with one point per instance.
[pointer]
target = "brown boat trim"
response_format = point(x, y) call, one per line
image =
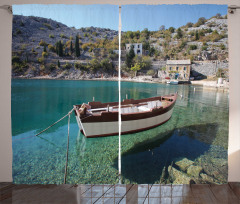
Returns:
point(113, 116)
point(127, 132)
point(96, 104)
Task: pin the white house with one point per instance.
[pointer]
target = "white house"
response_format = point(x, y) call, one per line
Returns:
point(137, 47)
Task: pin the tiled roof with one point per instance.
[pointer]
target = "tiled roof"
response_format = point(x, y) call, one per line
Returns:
point(176, 62)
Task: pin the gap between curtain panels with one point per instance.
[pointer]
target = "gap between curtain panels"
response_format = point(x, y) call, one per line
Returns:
point(119, 96)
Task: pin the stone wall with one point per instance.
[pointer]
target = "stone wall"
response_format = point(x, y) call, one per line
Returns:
point(158, 64)
point(208, 68)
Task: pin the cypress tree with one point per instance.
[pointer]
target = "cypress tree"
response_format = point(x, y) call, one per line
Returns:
point(196, 36)
point(57, 48)
point(71, 48)
point(60, 49)
point(44, 48)
point(131, 52)
point(77, 49)
point(129, 57)
point(58, 63)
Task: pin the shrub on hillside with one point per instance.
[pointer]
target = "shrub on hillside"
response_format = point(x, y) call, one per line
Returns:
point(51, 48)
point(41, 60)
point(48, 26)
point(189, 24)
point(106, 65)
point(51, 67)
point(67, 66)
point(201, 21)
point(193, 47)
point(63, 36)
point(78, 65)
point(51, 36)
point(43, 43)
point(16, 59)
point(204, 47)
point(85, 47)
point(44, 54)
point(18, 32)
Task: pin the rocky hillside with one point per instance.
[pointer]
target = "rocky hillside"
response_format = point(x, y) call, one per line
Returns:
point(43, 47)
point(29, 31)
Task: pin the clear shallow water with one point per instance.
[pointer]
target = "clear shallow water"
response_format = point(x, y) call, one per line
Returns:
point(198, 130)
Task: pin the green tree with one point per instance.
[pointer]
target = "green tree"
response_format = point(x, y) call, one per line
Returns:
point(146, 45)
point(71, 48)
point(151, 51)
point(58, 64)
point(145, 62)
point(171, 29)
point(130, 34)
point(189, 24)
point(129, 57)
point(45, 48)
point(107, 65)
point(193, 47)
point(94, 65)
point(179, 33)
point(196, 35)
point(59, 48)
point(201, 21)
point(77, 49)
point(136, 68)
point(145, 33)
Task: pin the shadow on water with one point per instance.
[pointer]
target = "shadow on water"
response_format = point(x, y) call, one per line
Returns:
point(144, 163)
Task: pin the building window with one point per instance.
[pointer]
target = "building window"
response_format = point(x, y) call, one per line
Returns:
point(138, 52)
point(138, 46)
point(170, 68)
point(185, 68)
point(184, 75)
point(177, 68)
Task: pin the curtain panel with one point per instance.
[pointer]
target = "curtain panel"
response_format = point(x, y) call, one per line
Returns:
point(130, 94)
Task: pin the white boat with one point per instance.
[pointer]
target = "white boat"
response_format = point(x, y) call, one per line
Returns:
point(173, 82)
point(97, 119)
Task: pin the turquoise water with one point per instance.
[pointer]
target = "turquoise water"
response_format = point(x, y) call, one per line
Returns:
point(198, 131)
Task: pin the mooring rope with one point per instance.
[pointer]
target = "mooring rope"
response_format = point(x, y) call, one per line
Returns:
point(69, 113)
point(65, 175)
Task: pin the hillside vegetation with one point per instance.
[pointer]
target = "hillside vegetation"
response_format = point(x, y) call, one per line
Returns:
point(43, 47)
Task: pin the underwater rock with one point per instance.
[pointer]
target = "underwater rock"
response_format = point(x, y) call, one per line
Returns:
point(178, 177)
point(194, 171)
point(206, 178)
point(219, 162)
point(184, 164)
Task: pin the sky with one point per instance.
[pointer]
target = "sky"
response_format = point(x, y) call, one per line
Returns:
point(134, 17)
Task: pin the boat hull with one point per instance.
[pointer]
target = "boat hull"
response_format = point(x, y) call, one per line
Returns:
point(102, 129)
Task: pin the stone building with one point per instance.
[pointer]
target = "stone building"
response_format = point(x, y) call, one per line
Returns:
point(137, 47)
point(178, 69)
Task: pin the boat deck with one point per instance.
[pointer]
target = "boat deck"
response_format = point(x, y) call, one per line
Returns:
point(123, 194)
point(131, 108)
